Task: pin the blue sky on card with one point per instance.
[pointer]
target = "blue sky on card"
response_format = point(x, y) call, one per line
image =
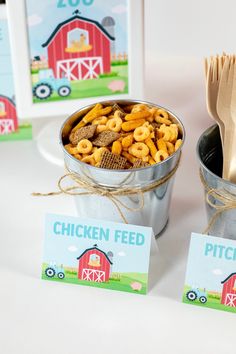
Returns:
point(208, 272)
point(42, 23)
point(65, 249)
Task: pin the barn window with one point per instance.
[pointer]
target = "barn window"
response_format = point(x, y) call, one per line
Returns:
point(94, 260)
point(2, 108)
point(78, 41)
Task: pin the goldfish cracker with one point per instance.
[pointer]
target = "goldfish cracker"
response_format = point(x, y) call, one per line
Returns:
point(170, 148)
point(89, 160)
point(118, 114)
point(129, 157)
point(152, 116)
point(101, 128)
point(72, 150)
point(84, 146)
point(151, 146)
point(139, 150)
point(116, 148)
point(101, 120)
point(175, 132)
point(168, 134)
point(114, 124)
point(78, 156)
point(178, 144)
point(133, 124)
point(139, 108)
point(97, 155)
point(141, 133)
point(161, 144)
point(160, 156)
point(137, 115)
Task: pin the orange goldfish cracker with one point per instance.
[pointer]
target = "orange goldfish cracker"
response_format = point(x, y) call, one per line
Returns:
point(175, 132)
point(139, 108)
point(114, 124)
point(72, 150)
point(101, 128)
point(141, 133)
point(151, 146)
point(161, 144)
point(137, 115)
point(118, 114)
point(132, 124)
point(178, 144)
point(129, 157)
point(139, 150)
point(116, 148)
point(161, 155)
point(84, 146)
point(82, 123)
point(170, 148)
point(100, 120)
point(97, 155)
point(168, 134)
point(89, 160)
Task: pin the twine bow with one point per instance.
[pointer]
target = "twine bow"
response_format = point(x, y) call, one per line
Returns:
point(112, 194)
point(227, 200)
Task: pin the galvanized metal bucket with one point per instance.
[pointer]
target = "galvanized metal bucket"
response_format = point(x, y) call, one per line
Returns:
point(155, 211)
point(209, 152)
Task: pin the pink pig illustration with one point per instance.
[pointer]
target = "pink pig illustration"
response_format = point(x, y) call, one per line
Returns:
point(117, 85)
point(136, 286)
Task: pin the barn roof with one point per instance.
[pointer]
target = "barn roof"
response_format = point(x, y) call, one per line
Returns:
point(8, 98)
point(95, 248)
point(228, 278)
point(72, 19)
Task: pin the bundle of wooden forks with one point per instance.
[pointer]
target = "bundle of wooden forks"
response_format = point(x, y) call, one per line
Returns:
point(221, 104)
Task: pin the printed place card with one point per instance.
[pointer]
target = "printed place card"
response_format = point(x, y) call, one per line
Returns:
point(211, 273)
point(96, 253)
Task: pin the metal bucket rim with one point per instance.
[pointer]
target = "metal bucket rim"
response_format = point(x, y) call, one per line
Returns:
point(203, 165)
point(128, 101)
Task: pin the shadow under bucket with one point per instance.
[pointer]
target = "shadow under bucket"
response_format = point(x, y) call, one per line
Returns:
point(155, 210)
point(209, 151)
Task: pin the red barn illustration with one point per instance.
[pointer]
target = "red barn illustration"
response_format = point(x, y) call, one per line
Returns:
point(94, 265)
point(79, 49)
point(228, 297)
point(8, 116)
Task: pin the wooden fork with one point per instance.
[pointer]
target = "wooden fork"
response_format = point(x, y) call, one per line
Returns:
point(232, 155)
point(223, 107)
point(214, 70)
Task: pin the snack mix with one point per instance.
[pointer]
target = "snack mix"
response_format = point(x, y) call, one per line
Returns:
point(124, 137)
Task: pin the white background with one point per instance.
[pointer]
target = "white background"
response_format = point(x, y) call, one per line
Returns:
point(39, 317)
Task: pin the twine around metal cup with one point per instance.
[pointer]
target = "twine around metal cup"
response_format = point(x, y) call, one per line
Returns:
point(227, 200)
point(110, 193)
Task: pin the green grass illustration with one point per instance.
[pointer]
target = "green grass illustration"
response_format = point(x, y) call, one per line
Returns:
point(213, 301)
point(23, 133)
point(92, 87)
point(118, 281)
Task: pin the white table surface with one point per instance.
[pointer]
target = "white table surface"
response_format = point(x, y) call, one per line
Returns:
point(38, 317)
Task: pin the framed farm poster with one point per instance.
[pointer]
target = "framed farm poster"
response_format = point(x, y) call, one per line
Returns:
point(69, 53)
point(10, 127)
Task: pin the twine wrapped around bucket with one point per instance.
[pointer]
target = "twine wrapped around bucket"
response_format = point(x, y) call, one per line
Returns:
point(227, 200)
point(110, 193)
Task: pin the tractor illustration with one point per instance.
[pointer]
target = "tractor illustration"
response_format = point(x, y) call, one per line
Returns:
point(47, 84)
point(53, 270)
point(195, 294)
